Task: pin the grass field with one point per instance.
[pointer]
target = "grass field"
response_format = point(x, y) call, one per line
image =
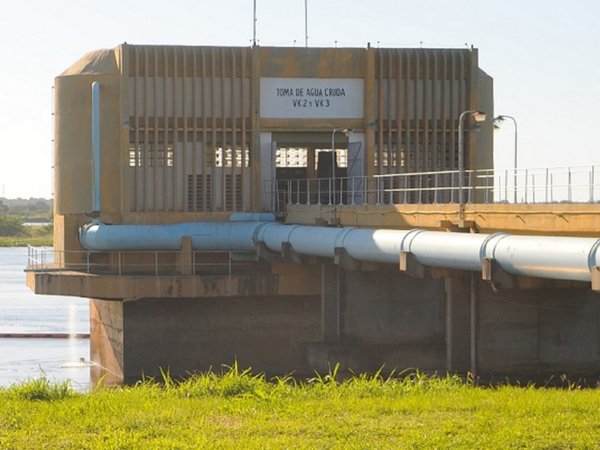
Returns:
point(239, 410)
point(36, 237)
point(24, 241)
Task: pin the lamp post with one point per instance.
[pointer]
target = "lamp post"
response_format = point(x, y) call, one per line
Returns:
point(497, 121)
point(347, 132)
point(477, 116)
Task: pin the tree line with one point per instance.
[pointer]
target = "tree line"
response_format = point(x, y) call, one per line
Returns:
point(15, 212)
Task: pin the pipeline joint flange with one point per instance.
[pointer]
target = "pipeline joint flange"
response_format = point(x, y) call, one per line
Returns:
point(495, 275)
point(344, 260)
point(410, 265)
point(596, 278)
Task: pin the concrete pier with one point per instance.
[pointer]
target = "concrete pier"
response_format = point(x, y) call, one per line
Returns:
point(362, 320)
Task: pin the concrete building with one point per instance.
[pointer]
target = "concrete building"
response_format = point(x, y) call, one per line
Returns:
point(201, 134)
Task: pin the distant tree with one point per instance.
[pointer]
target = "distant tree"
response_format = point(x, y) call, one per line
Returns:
point(30, 209)
point(3, 208)
point(11, 226)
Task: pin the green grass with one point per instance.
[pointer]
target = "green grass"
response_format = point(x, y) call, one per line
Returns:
point(24, 241)
point(237, 409)
point(34, 236)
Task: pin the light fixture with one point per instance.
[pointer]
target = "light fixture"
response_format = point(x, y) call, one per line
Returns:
point(478, 116)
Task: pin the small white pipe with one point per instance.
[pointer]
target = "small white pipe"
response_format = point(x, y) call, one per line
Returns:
point(251, 217)
point(95, 149)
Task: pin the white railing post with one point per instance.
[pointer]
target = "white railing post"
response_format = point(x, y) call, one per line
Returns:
point(487, 187)
point(526, 183)
point(546, 189)
point(592, 185)
point(569, 186)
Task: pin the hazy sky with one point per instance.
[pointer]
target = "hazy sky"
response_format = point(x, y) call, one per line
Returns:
point(544, 58)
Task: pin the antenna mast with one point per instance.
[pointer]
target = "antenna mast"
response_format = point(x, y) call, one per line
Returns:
point(254, 26)
point(306, 23)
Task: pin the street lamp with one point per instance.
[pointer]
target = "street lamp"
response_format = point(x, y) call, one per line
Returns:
point(497, 121)
point(348, 132)
point(477, 116)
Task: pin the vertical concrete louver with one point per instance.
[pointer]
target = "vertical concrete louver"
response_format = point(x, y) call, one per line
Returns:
point(189, 128)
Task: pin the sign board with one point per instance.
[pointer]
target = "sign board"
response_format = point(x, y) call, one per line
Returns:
point(311, 98)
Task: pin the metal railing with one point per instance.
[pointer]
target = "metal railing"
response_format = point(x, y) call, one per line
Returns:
point(157, 263)
point(546, 185)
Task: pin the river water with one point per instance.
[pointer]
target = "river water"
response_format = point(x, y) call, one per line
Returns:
point(21, 311)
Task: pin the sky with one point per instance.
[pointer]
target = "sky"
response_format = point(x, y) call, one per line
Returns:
point(544, 58)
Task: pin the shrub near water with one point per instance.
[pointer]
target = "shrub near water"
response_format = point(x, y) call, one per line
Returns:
point(238, 409)
point(14, 234)
point(11, 226)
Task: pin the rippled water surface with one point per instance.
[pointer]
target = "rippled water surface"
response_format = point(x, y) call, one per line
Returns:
point(21, 311)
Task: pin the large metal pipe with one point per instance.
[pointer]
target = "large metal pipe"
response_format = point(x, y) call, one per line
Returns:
point(209, 236)
point(561, 258)
point(95, 150)
point(569, 258)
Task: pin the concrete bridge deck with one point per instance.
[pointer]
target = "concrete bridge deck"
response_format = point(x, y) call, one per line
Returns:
point(560, 219)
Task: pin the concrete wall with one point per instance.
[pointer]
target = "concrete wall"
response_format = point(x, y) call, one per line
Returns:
point(184, 335)
point(384, 318)
point(460, 324)
point(536, 333)
point(73, 144)
point(398, 318)
point(363, 320)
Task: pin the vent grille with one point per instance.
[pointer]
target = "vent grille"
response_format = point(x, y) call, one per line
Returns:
point(229, 193)
point(202, 191)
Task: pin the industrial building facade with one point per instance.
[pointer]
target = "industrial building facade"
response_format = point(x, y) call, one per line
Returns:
point(168, 167)
point(204, 129)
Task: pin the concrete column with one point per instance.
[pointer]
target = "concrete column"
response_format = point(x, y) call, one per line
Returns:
point(330, 303)
point(457, 324)
point(370, 113)
point(185, 259)
point(474, 323)
point(106, 341)
point(255, 154)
